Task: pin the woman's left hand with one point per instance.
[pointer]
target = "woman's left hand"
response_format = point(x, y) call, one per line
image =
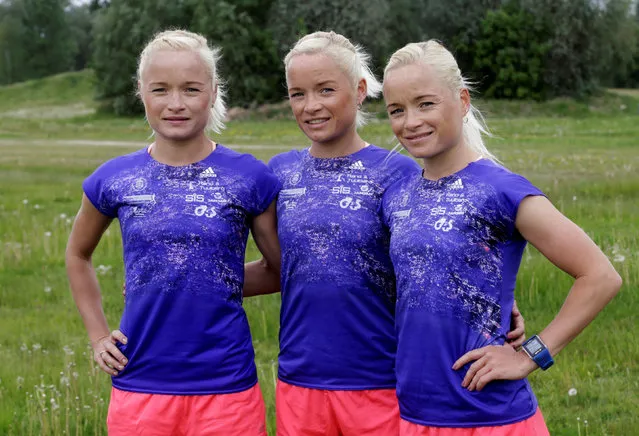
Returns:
point(494, 363)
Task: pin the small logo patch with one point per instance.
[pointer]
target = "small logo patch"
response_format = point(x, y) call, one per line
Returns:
point(207, 173)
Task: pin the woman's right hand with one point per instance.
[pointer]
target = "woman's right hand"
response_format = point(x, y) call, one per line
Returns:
point(105, 353)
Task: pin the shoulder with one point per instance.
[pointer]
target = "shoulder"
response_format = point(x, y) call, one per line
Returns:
point(234, 155)
point(282, 159)
point(391, 166)
point(500, 177)
point(121, 164)
point(243, 163)
point(508, 187)
point(393, 158)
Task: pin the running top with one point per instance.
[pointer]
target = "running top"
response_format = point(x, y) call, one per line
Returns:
point(456, 252)
point(338, 287)
point(184, 232)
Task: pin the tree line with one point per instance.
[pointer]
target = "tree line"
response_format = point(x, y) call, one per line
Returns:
point(515, 49)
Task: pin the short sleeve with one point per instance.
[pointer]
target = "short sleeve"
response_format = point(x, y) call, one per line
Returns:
point(403, 167)
point(96, 188)
point(514, 188)
point(266, 188)
point(386, 206)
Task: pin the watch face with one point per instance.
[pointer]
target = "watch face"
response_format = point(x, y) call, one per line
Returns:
point(534, 346)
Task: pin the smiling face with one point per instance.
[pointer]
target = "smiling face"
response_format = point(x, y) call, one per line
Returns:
point(426, 116)
point(177, 93)
point(323, 99)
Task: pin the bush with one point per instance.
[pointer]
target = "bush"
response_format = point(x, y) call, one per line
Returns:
point(510, 54)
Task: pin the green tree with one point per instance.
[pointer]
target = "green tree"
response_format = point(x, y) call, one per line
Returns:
point(12, 55)
point(365, 22)
point(48, 41)
point(620, 44)
point(510, 53)
point(80, 20)
point(250, 63)
point(122, 28)
point(574, 60)
point(35, 39)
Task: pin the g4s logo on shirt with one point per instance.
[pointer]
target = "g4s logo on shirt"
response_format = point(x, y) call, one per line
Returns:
point(349, 203)
point(443, 224)
point(206, 211)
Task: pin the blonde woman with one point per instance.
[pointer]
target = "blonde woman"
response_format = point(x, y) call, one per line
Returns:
point(458, 231)
point(182, 362)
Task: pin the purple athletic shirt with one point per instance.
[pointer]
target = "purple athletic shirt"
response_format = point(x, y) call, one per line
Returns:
point(456, 252)
point(338, 287)
point(184, 232)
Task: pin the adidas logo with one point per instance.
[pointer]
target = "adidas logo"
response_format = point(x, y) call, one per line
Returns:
point(457, 184)
point(357, 165)
point(207, 173)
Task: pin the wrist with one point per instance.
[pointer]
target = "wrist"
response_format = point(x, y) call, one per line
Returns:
point(527, 364)
point(538, 352)
point(96, 341)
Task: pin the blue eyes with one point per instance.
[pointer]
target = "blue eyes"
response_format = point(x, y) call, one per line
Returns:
point(423, 105)
point(321, 91)
point(164, 90)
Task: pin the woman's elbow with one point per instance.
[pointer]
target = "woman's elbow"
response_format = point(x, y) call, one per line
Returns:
point(611, 282)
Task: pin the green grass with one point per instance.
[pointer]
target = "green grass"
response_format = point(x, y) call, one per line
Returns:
point(588, 165)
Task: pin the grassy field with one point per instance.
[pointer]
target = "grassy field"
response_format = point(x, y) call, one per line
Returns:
point(585, 156)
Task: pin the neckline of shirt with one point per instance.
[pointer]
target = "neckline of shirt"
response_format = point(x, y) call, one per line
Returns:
point(213, 153)
point(451, 177)
point(307, 152)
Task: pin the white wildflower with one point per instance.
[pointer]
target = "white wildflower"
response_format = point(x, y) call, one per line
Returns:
point(103, 269)
point(47, 289)
point(572, 392)
point(47, 234)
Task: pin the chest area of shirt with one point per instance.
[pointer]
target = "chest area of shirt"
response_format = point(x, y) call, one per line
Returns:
point(201, 193)
point(449, 216)
point(353, 189)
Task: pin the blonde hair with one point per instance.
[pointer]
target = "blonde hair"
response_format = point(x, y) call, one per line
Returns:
point(434, 54)
point(182, 40)
point(350, 58)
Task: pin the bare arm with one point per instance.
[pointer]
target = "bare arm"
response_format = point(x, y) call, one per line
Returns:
point(570, 249)
point(596, 283)
point(263, 276)
point(87, 230)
